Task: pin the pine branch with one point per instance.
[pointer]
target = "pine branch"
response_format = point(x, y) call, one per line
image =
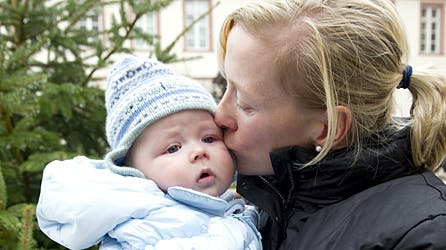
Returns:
point(8, 224)
point(181, 34)
point(73, 19)
point(26, 234)
point(23, 53)
point(3, 193)
point(6, 119)
point(113, 50)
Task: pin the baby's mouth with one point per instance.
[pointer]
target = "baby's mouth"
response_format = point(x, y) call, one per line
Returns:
point(206, 177)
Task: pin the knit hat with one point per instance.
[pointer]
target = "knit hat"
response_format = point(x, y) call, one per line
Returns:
point(140, 92)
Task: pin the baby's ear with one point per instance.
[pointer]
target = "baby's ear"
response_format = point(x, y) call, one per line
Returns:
point(342, 127)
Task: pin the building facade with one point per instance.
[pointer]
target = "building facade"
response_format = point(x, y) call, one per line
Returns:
point(199, 43)
point(424, 20)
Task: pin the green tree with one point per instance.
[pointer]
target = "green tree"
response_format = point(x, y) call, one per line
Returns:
point(48, 110)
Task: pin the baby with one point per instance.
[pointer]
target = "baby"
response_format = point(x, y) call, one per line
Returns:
point(164, 183)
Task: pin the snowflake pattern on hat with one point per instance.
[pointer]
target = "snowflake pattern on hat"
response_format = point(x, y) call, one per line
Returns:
point(140, 92)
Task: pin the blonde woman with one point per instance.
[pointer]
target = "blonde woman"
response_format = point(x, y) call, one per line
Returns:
point(308, 115)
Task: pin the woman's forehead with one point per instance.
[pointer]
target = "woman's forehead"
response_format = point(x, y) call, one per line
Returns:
point(249, 62)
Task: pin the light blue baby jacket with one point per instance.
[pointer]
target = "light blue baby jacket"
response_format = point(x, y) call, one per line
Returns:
point(83, 203)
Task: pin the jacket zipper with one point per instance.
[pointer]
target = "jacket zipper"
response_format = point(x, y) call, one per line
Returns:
point(284, 201)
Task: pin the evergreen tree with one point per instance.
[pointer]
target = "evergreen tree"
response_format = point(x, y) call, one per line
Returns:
point(48, 110)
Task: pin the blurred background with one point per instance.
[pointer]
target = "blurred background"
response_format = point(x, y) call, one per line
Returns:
point(54, 59)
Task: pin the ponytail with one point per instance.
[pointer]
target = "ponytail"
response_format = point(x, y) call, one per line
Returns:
point(428, 112)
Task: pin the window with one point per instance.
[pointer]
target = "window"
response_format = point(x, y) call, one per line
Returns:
point(431, 26)
point(148, 24)
point(198, 37)
point(90, 22)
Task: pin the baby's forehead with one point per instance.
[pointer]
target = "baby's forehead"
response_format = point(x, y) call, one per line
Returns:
point(183, 121)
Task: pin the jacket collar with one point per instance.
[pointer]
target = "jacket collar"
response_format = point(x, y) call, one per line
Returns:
point(341, 173)
point(212, 205)
point(345, 172)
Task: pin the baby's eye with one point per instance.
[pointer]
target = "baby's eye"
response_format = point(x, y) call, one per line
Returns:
point(208, 139)
point(172, 149)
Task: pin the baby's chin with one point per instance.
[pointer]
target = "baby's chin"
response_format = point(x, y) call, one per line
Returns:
point(212, 191)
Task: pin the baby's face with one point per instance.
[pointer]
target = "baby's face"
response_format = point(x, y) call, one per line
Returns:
point(184, 149)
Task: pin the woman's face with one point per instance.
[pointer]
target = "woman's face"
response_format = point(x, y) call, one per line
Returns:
point(256, 114)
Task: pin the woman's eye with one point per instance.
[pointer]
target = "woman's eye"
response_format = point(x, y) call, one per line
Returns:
point(244, 108)
point(173, 149)
point(208, 139)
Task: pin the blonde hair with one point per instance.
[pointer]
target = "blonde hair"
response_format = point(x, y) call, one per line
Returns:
point(350, 53)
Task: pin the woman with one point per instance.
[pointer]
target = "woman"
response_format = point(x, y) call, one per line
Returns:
point(308, 115)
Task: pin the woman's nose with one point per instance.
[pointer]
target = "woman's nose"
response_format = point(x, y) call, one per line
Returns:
point(224, 115)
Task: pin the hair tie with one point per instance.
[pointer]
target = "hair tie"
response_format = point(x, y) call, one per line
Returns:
point(404, 84)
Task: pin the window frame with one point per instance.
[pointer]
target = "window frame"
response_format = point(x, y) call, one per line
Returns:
point(156, 16)
point(99, 13)
point(441, 33)
point(208, 36)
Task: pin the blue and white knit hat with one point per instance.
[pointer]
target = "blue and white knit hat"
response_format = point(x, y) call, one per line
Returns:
point(140, 92)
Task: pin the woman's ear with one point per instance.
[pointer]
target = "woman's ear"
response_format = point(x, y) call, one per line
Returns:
point(342, 128)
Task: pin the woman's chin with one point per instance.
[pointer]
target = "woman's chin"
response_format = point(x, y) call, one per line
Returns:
point(251, 169)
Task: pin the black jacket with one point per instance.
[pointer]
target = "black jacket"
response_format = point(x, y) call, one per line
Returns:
point(379, 201)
